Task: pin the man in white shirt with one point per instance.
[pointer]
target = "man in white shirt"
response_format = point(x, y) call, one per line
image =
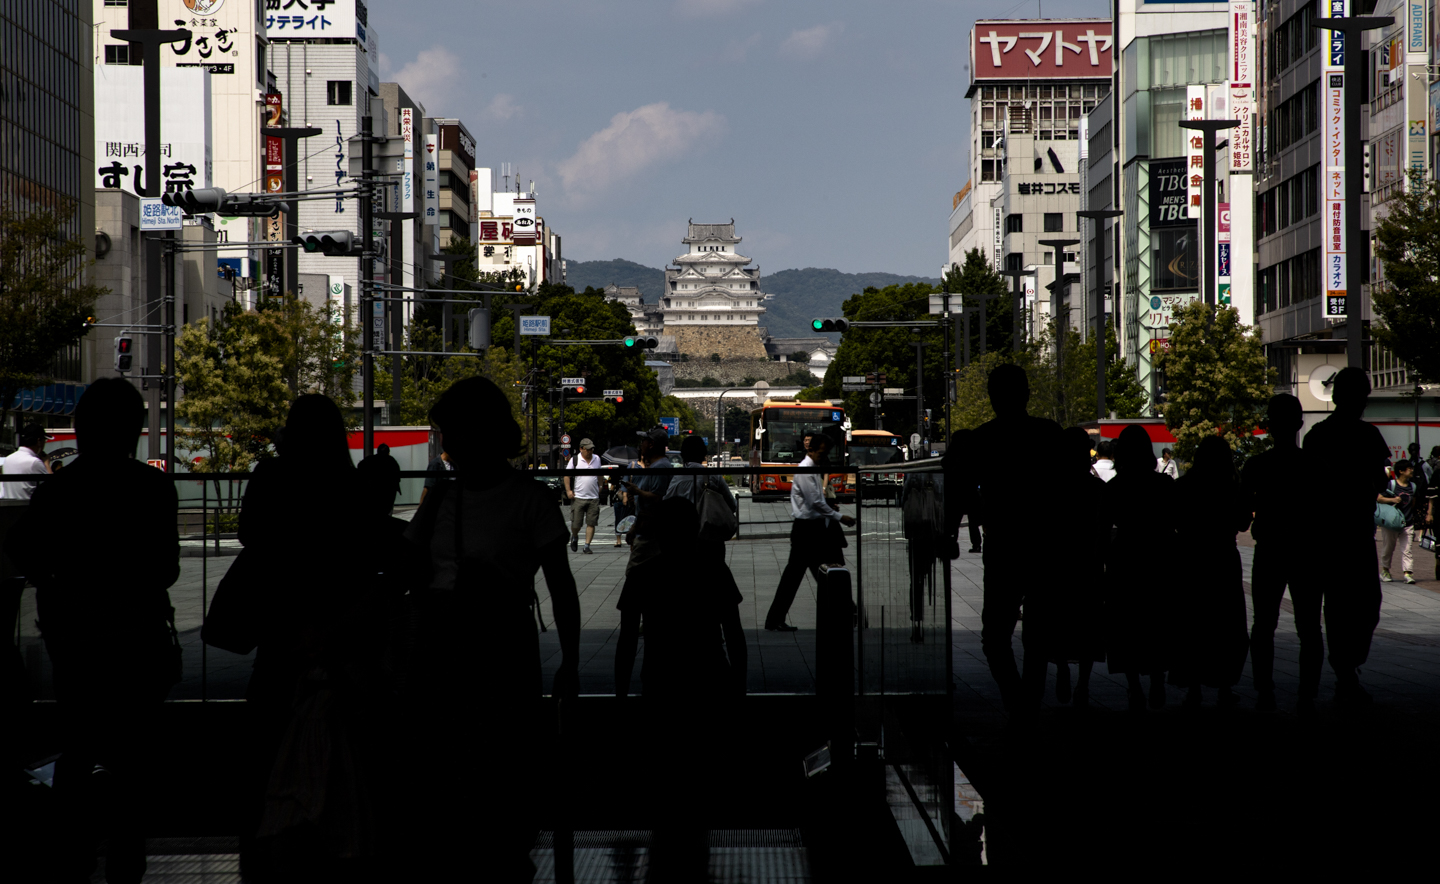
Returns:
point(1104, 465)
point(1166, 464)
point(809, 544)
point(584, 494)
point(26, 461)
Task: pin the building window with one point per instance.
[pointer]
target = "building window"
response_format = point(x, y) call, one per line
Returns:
point(1054, 222)
point(337, 92)
point(117, 2)
point(1015, 223)
point(117, 54)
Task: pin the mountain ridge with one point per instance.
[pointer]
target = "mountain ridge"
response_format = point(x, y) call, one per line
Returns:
point(800, 294)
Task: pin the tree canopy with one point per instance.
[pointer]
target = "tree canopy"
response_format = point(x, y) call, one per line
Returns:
point(1217, 381)
point(44, 301)
point(1407, 301)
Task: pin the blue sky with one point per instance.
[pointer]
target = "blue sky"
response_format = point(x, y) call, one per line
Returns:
point(834, 133)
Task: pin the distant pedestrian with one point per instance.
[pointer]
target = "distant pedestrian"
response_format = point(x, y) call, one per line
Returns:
point(1211, 626)
point(922, 504)
point(439, 464)
point(1282, 555)
point(963, 501)
point(619, 505)
point(1401, 493)
point(108, 627)
point(1104, 460)
point(1422, 469)
point(1165, 463)
point(28, 460)
point(811, 543)
point(1353, 455)
point(1140, 619)
point(584, 495)
point(1433, 461)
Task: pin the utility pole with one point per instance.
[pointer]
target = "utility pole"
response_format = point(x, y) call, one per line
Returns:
point(1356, 93)
point(367, 283)
point(920, 390)
point(1208, 222)
point(984, 327)
point(1100, 216)
point(151, 40)
point(395, 310)
point(447, 320)
point(291, 136)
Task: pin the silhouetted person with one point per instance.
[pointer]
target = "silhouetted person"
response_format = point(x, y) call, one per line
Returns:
point(1139, 610)
point(1273, 481)
point(925, 540)
point(812, 542)
point(1210, 511)
point(1007, 512)
point(108, 626)
point(963, 500)
point(308, 565)
point(478, 707)
point(1063, 612)
point(705, 556)
point(1352, 455)
point(641, 571)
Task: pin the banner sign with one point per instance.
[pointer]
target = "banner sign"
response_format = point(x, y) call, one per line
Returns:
point(1242, 85)
point(1195, 150)
point(431, 176)
point(1169, 193)
point(1332, 183)
point(185, 148)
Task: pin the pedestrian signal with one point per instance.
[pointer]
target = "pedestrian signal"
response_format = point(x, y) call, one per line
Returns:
point(641, 342)
point(124, 352)
point(830, 325)
point(479, 337)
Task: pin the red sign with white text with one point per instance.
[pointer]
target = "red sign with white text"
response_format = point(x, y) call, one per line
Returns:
point(1044, 49)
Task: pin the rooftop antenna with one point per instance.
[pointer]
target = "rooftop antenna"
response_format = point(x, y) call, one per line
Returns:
point(517, 182)
point(505, 173)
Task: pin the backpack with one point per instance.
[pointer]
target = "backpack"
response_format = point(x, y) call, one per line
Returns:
point(717, 520)
point(923, 510)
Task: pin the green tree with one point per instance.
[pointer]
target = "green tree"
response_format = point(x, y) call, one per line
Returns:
point(424, 379)
point(1217, 381)
point(977, 277)
point(800, 356)
point(233, 391)
point(44, 299)
point(1407, 301)
point(589, 316)
point(312, 346)
point(890, 350)
point(1075, 377)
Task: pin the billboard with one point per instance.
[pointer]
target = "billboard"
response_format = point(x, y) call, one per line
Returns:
point(1169, 194)
point(309, 19)
point(185, 150)
point(1046, 49)
point(430, 175)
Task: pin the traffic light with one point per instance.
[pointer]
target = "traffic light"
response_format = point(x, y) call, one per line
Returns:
point(641, 342)
point(196, 201)
point(85, 323)
point(830, 325)
point(479, 336)
point(614, 397)
point(124, 352)
point(332, 243)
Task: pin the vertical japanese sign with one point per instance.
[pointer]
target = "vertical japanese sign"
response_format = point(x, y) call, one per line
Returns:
point(1332, 184)
point(998, 237)
point(431, 179)
point(1242, 86)
point(1195, 151)
point(274, 147)
point(1222, 255)
point(405, 194)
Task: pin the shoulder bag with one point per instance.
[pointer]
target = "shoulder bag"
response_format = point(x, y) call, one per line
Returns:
point(234, 620)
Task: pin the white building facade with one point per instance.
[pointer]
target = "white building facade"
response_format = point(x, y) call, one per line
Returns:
point(712, 284)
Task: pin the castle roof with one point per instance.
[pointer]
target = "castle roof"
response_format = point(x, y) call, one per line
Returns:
point(696, 233)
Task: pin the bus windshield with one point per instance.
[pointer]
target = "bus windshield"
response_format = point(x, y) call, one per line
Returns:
point(785, 429)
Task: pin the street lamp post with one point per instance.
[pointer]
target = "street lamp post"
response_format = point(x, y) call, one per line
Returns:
point(1208, 227)
point(1017, 296)
point(291, 135)
point(1356, 80)
point(447, 312)
point(1099, 216)
point(1059, 245)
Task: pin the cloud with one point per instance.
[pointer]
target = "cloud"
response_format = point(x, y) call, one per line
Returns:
point(430, 79)
point(810, 42)
point(634, 140)
point(736, 50)
point(503, 107)
point(705, 8)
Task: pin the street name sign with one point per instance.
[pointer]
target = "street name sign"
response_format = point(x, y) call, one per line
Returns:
point(535, 325)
